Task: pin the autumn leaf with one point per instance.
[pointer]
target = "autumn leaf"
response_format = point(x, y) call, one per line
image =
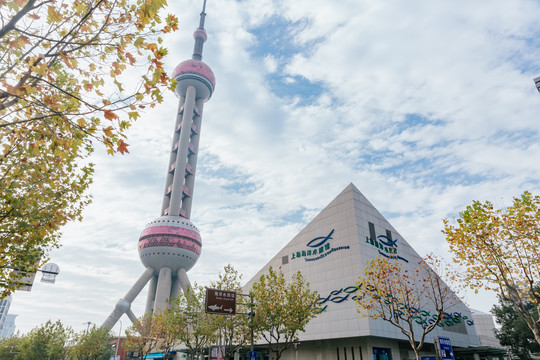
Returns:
point(110, 115)
point(122, 147)
point(53, 14)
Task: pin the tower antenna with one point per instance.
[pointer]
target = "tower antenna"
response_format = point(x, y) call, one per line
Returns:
point(203, 15)
point(200, 36)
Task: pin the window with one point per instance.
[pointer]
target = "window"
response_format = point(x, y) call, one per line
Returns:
point(389, 234)
point(285, 260)
point(372, 231)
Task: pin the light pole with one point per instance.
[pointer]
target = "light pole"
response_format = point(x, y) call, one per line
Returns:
point(537, 83)
point(296, 342)
point(118, 340)
point(25, 283)
point(87, 325)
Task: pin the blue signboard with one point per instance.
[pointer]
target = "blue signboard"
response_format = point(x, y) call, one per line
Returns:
point(252, 355)
point(445, 349)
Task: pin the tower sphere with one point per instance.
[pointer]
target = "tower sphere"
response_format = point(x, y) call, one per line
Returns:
point(200, 33)
point(195, 73)
point(170, 241)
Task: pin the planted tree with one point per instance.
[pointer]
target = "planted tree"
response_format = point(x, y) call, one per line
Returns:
point(413, 299)
point(196, 329)
point(514, 332)
point(141, 337)
point(282, 309)
point(500, 248)
point(63, 88)
point(233, 330)
point(46, 342)
point(9, 347)
point(92, 344)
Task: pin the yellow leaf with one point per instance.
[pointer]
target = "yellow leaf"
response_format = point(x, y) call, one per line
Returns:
point(65, 58)
point(53, 15)
point(108, 131)
point(119, 85)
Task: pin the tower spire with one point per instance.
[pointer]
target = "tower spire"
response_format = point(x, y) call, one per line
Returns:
point(203, 15)
point(200, 36)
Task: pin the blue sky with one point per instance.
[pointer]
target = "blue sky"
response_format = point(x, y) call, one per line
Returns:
point(424, 105)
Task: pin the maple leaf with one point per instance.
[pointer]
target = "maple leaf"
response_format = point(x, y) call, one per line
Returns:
point(122, 147)
point(110, 115)
point(131, 58)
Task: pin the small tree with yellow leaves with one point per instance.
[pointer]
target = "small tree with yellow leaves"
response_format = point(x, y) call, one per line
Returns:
point(282, 309)
point(413, 299)
point(500, 248)
point(157, 332)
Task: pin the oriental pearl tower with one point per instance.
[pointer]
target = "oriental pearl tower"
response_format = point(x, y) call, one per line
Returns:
point(170, 245)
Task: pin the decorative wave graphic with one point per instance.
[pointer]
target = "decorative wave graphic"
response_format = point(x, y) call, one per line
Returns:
point(390, 242)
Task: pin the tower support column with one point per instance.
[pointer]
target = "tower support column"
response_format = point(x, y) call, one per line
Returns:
point(183, 280)
point(123, 305)
point(190, 180)
point(151, 295)
point(172, 156)
point(182, 152)
point(163, 289)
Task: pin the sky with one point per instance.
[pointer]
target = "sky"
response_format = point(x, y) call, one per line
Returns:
point(424, 105)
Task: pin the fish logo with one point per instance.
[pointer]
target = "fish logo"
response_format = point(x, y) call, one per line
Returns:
point(318, 241)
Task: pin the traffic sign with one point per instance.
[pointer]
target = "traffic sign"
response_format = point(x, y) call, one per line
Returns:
point(221, 302)
point(252, 355)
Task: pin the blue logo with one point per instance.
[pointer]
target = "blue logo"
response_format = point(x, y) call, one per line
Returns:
point(387, 247)
point(319, 248)
point(318, 241)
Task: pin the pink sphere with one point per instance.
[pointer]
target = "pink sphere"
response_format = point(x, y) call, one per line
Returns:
point(170, 241)
point(195, 73)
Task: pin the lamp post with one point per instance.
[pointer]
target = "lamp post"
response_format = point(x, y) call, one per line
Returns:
point(49, 271)
point(537, 83)
point(118, 341)
point(296, 342)
point(87, 325)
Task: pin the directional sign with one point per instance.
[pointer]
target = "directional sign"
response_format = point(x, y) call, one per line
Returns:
point(252, 355)
point(445, 349)
point(220, 302)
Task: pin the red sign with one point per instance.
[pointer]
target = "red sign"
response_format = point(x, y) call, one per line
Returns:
point(220, 302)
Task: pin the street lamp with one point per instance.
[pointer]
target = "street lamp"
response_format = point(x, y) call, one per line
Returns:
point(118, 341)
point(537, 83)
point(87, 325)
point(49, 271)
